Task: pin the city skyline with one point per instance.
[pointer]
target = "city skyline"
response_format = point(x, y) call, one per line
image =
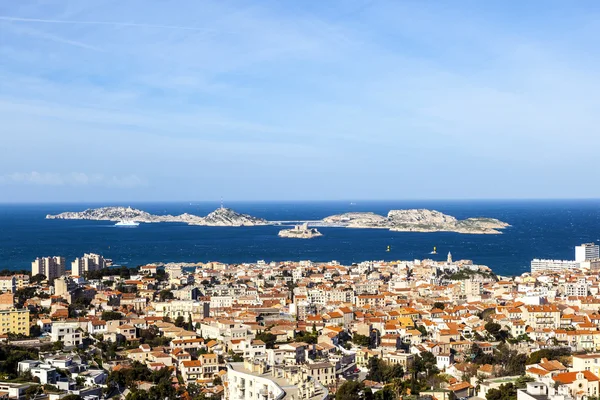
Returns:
point(358, 100)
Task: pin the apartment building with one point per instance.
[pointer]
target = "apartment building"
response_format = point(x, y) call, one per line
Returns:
point(543, 316)
point(89, 262)
point(586, 252)
point(66, 332)
point(579, 288)
point(324, 373)
point(205, 367)
point(587, 362)
point(8, 284)
point(14, 321)
point(21, 280)
point(539, 265)
point(184, 308)
point(250, 381)
point(50, 267)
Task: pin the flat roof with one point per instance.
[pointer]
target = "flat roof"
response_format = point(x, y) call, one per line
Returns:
point(289, 388)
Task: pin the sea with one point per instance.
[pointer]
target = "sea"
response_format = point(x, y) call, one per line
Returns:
point(539, 229)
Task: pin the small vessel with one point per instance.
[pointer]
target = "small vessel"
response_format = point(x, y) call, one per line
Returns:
point(389, 248)
point(127, 223)
point(434, 250)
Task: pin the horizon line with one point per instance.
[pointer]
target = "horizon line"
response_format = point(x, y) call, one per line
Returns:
point(465, 199)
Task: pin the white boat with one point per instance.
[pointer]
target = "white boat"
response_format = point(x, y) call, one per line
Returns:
point(127, 223)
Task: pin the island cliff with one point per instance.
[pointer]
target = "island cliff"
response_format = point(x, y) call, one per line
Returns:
point(417, 220)
point(413, 220)
point(220, 217)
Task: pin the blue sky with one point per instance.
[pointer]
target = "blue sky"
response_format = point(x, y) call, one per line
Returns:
point(249, 100)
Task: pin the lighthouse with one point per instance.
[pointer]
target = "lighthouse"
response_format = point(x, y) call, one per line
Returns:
point(449, 258)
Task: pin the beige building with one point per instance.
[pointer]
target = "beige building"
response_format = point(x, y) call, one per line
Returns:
point(22, 281)
point(8, 284)
point(50, 267)
point(63, 285)
point(89, 262)
point(14, 321)
point(205, 367)
point(7, 301)
point(587, 362)
point(542, 316)
point(324, 373)
point(582, 384)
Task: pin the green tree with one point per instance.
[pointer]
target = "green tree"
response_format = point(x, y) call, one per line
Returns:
point(504, 392)
point(361, 340)
point(521, 381)
point(35, 331)
point(387, 393)
point(180, 322)
point(165, 295)
point(376, 369)
point(380, 371)
point(137, 394)
point(479, 357)
point(492, 328)
point(72, 397)
point(32, 391)
point(58, 345)
point(439, 304)
point(516, 364)
point(427, 363)
point(349, 390)
point(37, 278)
point(268, 338)
point(111, 315)
point(536, 356)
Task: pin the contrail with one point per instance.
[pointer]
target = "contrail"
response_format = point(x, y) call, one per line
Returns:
point(122, 24)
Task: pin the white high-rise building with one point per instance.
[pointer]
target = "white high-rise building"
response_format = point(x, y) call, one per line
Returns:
point(89, 262)
point(538, 265)
point(587, 251)
point(50, 267)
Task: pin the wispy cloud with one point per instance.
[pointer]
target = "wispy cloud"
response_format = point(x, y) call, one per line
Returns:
point(71, 179)
point(106, 23)
point(51, 37)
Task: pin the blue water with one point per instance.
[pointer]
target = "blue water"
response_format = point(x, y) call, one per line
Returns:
point(544, 229)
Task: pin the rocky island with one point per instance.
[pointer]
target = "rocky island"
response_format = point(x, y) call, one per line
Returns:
point(417, 220)
point(412, 220)
point(220, 217)
point(300, 232)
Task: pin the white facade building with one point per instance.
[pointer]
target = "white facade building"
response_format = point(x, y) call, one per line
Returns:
point(66, 332)
point(538, 265)
point(8, 284)
point(250, 381)
point(89, 262)
point(50, 267)
point(586, 252)
point(580, 288)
